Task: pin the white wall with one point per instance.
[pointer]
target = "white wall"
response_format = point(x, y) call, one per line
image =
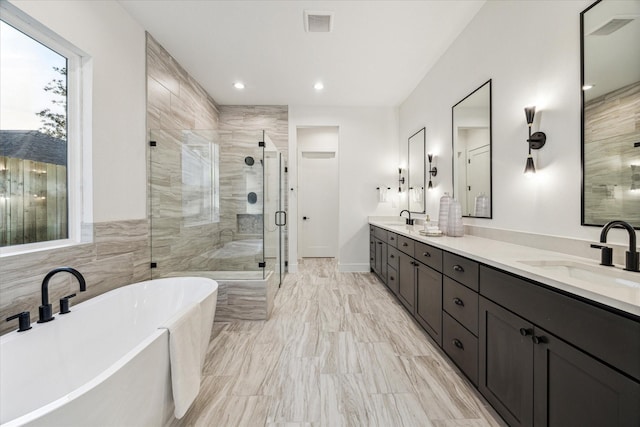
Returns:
point(531, 50)
point(368, 158)
point(116, 45)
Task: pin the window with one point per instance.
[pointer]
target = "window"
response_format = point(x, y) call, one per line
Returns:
point(200, 181)
point(39, 136)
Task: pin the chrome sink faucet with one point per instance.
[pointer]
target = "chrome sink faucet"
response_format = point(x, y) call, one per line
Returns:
point(408, 221)
point(45, 309)
point(632, 259)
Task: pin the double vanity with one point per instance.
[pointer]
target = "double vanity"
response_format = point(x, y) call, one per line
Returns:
point(539, 333)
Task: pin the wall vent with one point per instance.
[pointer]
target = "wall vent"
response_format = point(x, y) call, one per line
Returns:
point(318, 22)
point(612, 25)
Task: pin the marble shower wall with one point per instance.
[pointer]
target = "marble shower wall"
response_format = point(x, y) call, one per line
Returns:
point(612, 126)
point(176, 103)
point(240, 125)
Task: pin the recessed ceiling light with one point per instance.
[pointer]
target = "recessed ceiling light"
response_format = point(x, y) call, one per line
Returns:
point(587, 87)
point(318, 86)
point(238, 85)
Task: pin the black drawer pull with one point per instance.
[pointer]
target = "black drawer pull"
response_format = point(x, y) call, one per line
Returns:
point(392, 238)
point(392, 278)
point(524, 332)
point(379, 243)
point(458, 268)
point(405, 244)
point(458, 301)
point(427, 254)
point(392, 256)
point(458, 343)
point(538, 340)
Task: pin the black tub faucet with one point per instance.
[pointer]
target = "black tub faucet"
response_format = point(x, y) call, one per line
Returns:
point(632, 260)
point(45, 309)
point(408, 221)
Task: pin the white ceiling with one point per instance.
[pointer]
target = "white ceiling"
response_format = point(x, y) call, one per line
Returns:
point(376, 55)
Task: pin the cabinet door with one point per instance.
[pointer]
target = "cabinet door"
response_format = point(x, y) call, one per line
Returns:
point(407, 288)
point(506, 363)
point(575, 389)
point(429, 301)
point(372, 252)
point(392, 280)
point(383, 261)
point(378, 257)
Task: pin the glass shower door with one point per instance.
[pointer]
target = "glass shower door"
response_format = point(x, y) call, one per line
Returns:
point(275, 216)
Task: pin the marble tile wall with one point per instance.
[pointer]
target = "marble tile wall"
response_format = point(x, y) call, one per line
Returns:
point(240, 125)
point(175, 103)
point(612, 126)
point(118, 256)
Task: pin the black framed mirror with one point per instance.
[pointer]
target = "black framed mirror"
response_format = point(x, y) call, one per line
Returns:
point(416, 171)
point(610, 82)
point(471, 139)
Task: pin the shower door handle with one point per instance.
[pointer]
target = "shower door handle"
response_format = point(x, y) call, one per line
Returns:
point(281, 224)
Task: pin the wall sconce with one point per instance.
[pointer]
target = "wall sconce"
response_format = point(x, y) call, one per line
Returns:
point(433, 171)
point(536, 141)
point(400, 180)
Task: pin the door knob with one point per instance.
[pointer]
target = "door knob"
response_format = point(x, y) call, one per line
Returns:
point(305, 218)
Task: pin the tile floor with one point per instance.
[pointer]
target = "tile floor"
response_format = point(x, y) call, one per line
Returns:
point(338, 350)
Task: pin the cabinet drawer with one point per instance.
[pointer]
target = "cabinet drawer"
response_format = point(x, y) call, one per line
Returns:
point(604, 334)
point(392, 280)
point(461, 346)
point(406, 245)
point(381, 234)
point(461, 303)
point(428, 255)
point(461, 269)
point(392, 239)
point(392, 257)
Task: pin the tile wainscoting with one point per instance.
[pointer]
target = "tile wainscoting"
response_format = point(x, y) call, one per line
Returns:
point(118, 256)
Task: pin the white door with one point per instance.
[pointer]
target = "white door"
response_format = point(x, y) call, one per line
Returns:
point(478, 179)
point(318, 192)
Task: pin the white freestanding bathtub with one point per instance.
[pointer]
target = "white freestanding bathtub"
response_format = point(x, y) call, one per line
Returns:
point(107, 362)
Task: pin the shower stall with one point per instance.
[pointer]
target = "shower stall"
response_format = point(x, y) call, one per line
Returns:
point(218, 210)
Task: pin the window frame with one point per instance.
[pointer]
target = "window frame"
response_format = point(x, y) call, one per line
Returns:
point(79, 178)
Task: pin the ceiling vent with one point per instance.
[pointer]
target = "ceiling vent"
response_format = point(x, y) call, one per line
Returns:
point(318, 22)
point(612, 25)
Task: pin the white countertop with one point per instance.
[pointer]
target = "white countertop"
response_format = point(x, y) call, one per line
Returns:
point(611, 286)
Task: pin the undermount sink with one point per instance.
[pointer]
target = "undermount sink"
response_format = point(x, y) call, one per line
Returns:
point(590, 273)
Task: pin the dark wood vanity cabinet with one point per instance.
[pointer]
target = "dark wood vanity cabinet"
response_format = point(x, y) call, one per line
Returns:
point(534, 377)
point(429, 301)
point(506, 363)
point(460, 317)
point(378, 252)
point(539, 356)
point(407, 286)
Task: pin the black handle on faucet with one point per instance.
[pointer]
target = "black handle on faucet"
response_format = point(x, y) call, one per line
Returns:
point(64, 304)
point(24, 320)
point(606, 255)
